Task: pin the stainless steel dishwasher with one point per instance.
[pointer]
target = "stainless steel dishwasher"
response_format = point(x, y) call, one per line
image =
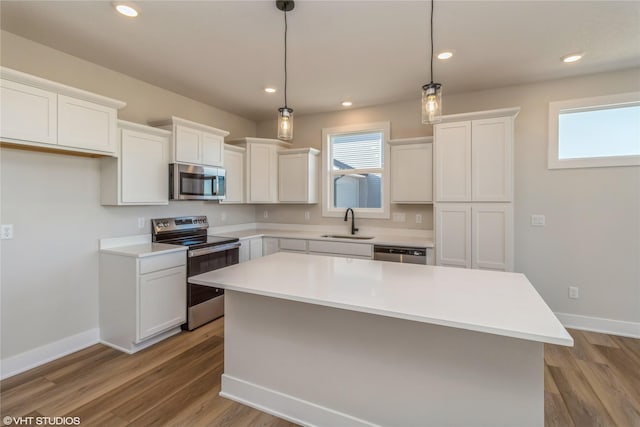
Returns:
point(400, 254)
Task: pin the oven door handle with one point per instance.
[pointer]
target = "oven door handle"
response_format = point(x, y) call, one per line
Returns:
point(213, 249)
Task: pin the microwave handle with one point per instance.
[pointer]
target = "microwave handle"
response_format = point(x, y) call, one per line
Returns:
point(217, 185)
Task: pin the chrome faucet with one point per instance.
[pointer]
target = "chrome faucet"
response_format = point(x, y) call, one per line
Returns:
point(353, 220)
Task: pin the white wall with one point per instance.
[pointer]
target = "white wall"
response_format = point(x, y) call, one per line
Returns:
point(592, 236)
point(49, 271)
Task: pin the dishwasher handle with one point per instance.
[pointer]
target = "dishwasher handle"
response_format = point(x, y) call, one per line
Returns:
point(395, 250)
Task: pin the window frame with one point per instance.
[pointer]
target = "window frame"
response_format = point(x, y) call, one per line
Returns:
point(587, 104)
point(328, 210)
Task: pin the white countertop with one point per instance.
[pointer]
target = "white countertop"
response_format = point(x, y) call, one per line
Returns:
point(484, 301)
point(378, 239)
point(144, 249)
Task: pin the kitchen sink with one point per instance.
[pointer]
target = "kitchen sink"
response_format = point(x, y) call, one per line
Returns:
point(347, 236)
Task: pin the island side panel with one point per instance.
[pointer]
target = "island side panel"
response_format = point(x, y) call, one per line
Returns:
point(324, 366)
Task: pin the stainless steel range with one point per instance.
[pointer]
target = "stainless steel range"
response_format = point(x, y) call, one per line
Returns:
point(206, 253)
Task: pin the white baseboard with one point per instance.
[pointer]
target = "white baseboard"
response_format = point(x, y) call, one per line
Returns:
point(599, 324)
point(39, 356)
point(285, 406)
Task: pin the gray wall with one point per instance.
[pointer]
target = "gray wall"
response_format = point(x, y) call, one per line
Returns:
point(49, 271)
point(592, 236)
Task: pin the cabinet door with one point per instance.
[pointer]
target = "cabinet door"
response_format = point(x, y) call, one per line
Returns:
point(262, 174)
point(187, 145)
point(452, 151)
point(453, 235)
point(491, 159)
point(234, 165)
point(411, 173)
point(86, 125)
point(492, 229)
point(244, 253)
point(27, 113)
point(212, 150)
point(256, 247)
point(162, 301)
point(269, 246)
point(144, 168)
point(293, 178)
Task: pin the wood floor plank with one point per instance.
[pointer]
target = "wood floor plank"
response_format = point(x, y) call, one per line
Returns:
point(556, 413)
point(549, 383)
point(181, 405)
point(42, 370)
point(613, 393)
point(151, 388)
point(583, 350)
point(627, 369)
point(599, 339)
point(582, 403)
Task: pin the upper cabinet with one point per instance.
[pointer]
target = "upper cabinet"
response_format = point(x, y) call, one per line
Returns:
point(139, 176)
point(261, 168)
point(297, 175)
point(194, 143)
point(474, 157)
point(234, 165)
point(38, 113)
point(412, 170)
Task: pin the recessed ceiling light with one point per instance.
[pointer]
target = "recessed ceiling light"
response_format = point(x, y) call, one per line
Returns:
point(445, 55)
point(347, 104)
point(270, 89)
point(572, 57)
point(126, 10)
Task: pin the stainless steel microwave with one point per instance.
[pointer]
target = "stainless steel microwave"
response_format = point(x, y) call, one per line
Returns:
point(189, 182)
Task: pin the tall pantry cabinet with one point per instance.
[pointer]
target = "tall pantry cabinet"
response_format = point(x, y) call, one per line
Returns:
point(473, 164)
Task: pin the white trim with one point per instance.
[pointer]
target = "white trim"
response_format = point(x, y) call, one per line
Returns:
point(39, 356)
point(327, 187)
point(184, 122)
point(51, 86)
point(477, 115)
point(599, 324)
point(586, 104)
point(285, 406)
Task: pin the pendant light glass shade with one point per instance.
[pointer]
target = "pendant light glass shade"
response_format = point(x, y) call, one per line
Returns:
point(285, 123)
point(431, 103)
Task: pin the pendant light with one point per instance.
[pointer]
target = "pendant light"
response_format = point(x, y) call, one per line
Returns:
point(431, 92)
point(285, 114)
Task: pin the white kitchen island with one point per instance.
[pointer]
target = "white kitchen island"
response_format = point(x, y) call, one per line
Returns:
point(332, 341)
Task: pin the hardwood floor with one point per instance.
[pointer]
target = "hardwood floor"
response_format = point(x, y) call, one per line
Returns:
point(176, 383)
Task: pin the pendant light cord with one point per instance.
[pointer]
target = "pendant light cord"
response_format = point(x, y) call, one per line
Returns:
point(431, 28)
point(285, 59)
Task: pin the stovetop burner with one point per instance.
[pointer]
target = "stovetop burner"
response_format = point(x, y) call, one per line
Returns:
point(188, 231)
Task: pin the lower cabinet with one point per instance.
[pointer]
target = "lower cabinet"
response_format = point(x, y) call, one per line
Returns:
point(270, 245)
point(142, 299)
point(351, 250)
point(474, 235)
point(250, 249)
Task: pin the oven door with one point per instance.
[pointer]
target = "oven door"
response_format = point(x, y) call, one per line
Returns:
point(205, 303)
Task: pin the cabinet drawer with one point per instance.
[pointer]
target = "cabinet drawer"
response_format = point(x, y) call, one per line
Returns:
point(293, 245)
point(342, 248)
point(162, 262)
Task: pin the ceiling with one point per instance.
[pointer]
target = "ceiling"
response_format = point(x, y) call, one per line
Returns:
point(224, 53)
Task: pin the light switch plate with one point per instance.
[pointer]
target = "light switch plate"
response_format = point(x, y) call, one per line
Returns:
point(418, 219)
point(399, 217)
point(538, 220)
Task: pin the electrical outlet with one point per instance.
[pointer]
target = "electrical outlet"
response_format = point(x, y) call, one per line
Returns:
point(141, 222)
point(418, 219)
point(538, 220)
point(265, 214)
point(573, 292)
point(6, 232)
point(307, 215)
point(399, 217)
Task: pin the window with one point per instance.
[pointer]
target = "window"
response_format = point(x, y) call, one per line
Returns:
point(354, 174)
point(595, 132)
